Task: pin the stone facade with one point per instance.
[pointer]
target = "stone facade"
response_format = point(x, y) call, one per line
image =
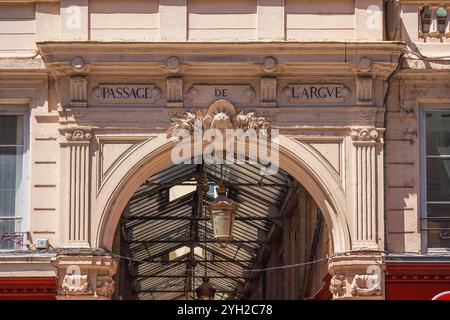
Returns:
point(102, 81)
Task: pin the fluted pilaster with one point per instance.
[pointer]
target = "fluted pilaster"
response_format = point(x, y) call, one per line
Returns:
point(366, 195)
point(77, 201)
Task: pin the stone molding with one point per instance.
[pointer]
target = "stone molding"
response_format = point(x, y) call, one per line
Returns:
point(85, 276)
point(359, 275)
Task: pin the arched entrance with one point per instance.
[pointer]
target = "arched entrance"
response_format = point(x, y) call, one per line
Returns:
point(298, 159)
point(301, 167)
point(166, 236)
point(354, 268)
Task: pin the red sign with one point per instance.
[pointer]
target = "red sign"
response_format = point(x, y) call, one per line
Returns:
point(442, 296)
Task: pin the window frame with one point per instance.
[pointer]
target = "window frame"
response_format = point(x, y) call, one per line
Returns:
point(24, 215)
point(423, 185)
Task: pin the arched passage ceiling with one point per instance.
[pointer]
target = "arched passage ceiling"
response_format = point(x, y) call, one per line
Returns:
point(154, 226)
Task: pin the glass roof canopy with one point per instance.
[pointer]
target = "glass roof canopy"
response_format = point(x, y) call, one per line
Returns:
point(153, 227)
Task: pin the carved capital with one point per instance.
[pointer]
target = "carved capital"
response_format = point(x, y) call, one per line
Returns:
point(358, 276)
point(78, 91)
point(85, 276)
point(77, 134)
point(364, 90)
point(365, 134)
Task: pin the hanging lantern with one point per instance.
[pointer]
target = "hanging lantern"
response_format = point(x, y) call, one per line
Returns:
point(205, 291)
point(426, 19)
point(441, 17)
point(223, 211)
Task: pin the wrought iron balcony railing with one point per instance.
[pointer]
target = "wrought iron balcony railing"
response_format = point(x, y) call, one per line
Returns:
point(13, 240)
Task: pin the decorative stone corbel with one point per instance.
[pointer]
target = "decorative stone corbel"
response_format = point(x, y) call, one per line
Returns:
point(364, 82)
point(268, 91)
point(174, 92)
point(357, 276)
point(78, 91)
point(84, 275)
point(71, 83)
point(364, 90)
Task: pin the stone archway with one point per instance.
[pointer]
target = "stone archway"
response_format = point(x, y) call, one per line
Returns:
point(296, 158)
point(356, 270)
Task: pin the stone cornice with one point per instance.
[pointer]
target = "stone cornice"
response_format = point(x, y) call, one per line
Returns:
point(20, 1)
point(424, 1)
point(21, 63)
point(59, 51)
point(272, 47)
point(226, 58)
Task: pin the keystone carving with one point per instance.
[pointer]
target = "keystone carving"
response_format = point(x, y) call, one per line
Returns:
point(221, 115)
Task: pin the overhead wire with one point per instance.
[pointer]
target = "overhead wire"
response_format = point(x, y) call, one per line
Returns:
point(256, 269)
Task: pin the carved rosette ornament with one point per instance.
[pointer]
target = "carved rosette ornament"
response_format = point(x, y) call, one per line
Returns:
point(221, 115)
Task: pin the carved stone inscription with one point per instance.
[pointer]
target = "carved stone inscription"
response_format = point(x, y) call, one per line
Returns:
point(327, 93)
point(206, 94)
point(126, 93)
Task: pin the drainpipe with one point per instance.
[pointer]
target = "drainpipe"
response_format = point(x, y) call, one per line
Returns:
point(392, 20)
point(314, 247)
point(385, 106)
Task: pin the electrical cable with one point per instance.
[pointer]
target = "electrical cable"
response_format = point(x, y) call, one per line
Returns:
point(259, 269)
point(425, 58)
